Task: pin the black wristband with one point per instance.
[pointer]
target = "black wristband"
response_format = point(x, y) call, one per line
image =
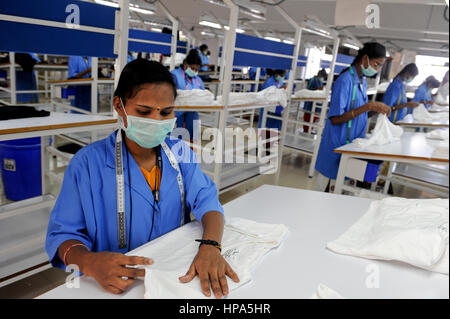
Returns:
point(210, 242)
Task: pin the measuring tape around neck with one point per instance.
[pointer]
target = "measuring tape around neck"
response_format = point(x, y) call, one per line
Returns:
point(120, 188)
point(349, 125)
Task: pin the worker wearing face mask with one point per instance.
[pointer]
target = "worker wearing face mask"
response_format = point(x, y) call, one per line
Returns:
point(276, 80)
point(314, 83)
point(423, 93)
point(348, 114)
point(186, 78)
point(395, 95)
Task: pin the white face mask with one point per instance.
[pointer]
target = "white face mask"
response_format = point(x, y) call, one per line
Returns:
point(148, 133)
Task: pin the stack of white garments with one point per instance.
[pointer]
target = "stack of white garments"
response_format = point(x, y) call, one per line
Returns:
point(442, 95)
point(197, 97)
point(438, 135)
point(384, 133)
point(413, 231)
point(422, 115)
point(324, 292)
point(244, 243)
point(305, 93)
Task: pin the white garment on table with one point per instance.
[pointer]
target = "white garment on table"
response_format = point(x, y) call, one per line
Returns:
point(305, 93)
point(441, 149)
point(442, 94)
point(195, 97)
point(365, 193)
point(324, 292)
point(384, 133)
point(422, 115)
point(414, 231)
point(244, 244)
point(438, 135)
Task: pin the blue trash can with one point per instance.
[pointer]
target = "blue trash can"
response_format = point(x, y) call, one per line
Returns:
point(21, 168)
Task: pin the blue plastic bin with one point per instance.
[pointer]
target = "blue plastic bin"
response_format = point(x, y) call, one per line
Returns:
point(21, 168)
point(372, 170)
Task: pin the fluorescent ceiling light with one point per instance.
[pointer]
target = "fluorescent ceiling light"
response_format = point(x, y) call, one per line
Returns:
point(107, 3)
point(288, 41)
point(156, 29)
point(210, 24)
point(351, 46)
point(272, 39)
point(132, 7)
point(237, 29)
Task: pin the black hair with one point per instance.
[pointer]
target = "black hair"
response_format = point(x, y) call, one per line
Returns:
point(279, 72)
point(323, 73)
point(373, 50)
point(411, 69)
point(193, 58)
point(139, 72)
point(432, 82)
point(203, 47)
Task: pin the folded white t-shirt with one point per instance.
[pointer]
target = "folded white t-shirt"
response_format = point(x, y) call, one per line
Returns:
point(414, 231)
point(384, 133)
point(244, 244)
point(324, 292)
point(438, 135)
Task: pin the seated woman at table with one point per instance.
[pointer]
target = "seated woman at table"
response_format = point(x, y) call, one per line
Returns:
point(348, 115)
point(276, 79)
point(186, 78)
point(423, 93)
point(395, 95)
point(160, 188)
point(314, 83)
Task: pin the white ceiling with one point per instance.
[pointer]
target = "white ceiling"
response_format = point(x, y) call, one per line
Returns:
point(417, 25)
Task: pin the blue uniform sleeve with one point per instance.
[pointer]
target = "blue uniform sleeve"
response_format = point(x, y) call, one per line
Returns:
point(392, 94)
point(201, 192)
point(341, 96)
point(67, 219)
point(177, 80)
point(73, 66)
point(268, 83)
point(202, 85)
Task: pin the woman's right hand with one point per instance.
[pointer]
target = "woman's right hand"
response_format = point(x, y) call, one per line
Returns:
point(108, 268)
point(412, 104)
point(380, 107)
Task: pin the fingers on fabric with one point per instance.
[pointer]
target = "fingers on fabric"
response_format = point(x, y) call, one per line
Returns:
point(135, 260)
point(204, 281)
point(230, 273)
point(189, 275)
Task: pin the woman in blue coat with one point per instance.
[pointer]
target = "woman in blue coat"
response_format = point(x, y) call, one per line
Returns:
point(186, 78)
point(423, 93)
point(134, 186)
point(276, 79)
point(80, 68)
point(395, 95)
point(348, 114)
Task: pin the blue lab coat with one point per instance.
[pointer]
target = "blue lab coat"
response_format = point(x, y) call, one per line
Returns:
point(27, 81)
point(78, 64)
point(335, 136)
point(395, 93)
point(313, 84)
point(271, 123)
point(422, 94)
point(86, 209)
point(183, 82)
point(205, 60)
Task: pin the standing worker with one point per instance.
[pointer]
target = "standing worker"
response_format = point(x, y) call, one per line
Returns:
point(130, 188)
point(186, 78)
point(348, 115)
point(314, 83)
point(395, 95)
point(276, 79)
point(80, 68)
point(423, 93)
point(26, 78)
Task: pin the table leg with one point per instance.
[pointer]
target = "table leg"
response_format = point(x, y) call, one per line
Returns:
point(388, 177)
point(341, 174)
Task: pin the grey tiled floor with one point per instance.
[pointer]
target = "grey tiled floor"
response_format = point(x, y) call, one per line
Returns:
point(294, 173)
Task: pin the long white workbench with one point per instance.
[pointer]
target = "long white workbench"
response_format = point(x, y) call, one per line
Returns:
point(302, 262)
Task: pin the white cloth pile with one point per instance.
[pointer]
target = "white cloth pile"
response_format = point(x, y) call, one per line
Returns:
point(305, 93)
point(198, 97)
point(384, 133)
point(413, 231)
point(442, 94)
point(244, 244)
point(438, 135)
point(422, 115)
point(441, 149)
point(324, 292)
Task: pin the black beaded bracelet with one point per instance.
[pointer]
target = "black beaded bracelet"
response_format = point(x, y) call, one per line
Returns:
point(210, 242)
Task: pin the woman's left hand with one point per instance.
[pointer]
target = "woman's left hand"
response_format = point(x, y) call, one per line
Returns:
point(211, 268)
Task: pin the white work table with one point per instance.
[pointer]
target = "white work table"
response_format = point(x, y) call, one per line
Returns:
point(412, 148)
point(302, 262)
point(441, 123)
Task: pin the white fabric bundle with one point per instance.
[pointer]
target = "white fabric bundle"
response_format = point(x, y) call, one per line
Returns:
point(198, 97)
point(324, 292)
point(384, 133)
point(305, 93)
point(414, 231)
point(441, 149)
point(442, 94)
point(422, 115)
point(438, 135)
point(244, 244)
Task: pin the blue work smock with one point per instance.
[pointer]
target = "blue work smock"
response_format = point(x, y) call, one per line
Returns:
point(205, 60)
point(183, 82)
point(27, 81)
point(86, 208)
point(335, 136)
point(271, 123)
point(313, 84)
point(395, 95)
point(83, 97)
point(423, 93)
